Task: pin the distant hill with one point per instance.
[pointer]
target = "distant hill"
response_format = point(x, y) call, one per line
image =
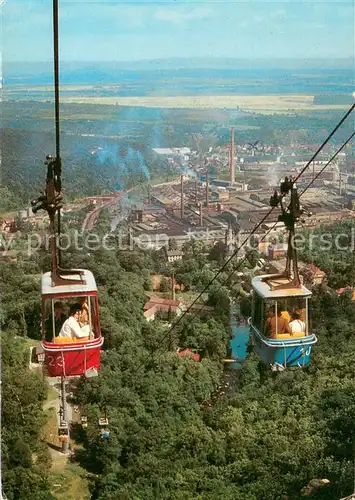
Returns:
point(106, 72)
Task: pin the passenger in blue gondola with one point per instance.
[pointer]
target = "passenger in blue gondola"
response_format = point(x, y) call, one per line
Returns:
point(276, 324)
point(297, 325)
point(71, 327)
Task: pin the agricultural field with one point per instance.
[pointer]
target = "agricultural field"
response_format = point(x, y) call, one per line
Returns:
point(264, 104)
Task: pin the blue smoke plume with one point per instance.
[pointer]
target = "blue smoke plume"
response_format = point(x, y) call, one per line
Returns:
point(124, 158)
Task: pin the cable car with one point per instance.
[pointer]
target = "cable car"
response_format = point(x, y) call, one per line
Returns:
point(66, 357)
point(280, 342)
point(282, 349)
point(63, 432)
point(103, 423)
point(61, 291)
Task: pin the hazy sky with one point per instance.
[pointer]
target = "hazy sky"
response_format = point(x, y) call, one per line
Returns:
point(133, 30)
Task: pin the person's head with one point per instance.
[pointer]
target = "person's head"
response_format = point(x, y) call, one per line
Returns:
point(58, 309)
point(271, 312)
point(75, 311)
point(295, 315)
point(281, 306)
point(279, 312)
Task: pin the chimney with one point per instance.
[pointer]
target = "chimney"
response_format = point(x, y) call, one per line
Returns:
point(232, 158)
point(201, 219)
point(148, 193)
point(173, 287)
point(182, 197)
point(196, 190)
point(207, 189)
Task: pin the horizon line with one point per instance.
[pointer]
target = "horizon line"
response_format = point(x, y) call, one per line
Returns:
point(217, 58)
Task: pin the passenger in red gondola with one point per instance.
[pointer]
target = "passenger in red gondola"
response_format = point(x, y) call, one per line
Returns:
point(84, 313)
point(59, 320)
point(71, 327)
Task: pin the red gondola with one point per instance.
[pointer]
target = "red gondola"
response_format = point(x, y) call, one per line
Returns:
point(66, 357)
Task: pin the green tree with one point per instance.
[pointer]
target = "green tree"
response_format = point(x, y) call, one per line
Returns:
point(164, 284)
point(172, 244)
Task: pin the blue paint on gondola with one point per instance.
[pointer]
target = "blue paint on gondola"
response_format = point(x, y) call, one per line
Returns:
point(286, 353)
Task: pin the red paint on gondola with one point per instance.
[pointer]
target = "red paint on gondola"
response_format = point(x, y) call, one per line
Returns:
point(72, 358)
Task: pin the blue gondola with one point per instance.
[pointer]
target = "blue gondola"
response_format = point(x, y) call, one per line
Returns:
point(104, 431)
point(279, 342)
point(285, 350)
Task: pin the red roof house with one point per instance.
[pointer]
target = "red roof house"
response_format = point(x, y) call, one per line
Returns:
point(340, 291)
point(156, 304)
point(188, 353)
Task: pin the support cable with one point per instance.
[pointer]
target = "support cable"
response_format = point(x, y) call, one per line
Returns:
point(328, 163)
point(56, 106)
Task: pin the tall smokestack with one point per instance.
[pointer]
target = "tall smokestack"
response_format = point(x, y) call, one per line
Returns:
point(201, 218)
point(149, 194)
point(182, 197)
point(196, 190)
point(207, 189)
point(232, 158)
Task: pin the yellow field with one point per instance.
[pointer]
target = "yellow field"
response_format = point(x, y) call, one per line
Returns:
point(258, 103)
point(49, 88)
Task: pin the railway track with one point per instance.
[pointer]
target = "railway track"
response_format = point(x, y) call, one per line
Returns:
point(92, 217)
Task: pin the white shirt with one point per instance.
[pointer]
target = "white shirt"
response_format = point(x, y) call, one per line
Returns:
point(71, 328)
point(297, 326)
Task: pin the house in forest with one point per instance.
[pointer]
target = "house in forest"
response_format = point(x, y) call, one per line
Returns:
point(157, 305)
point(313, 274)
point(173, 255)
point(189, 353)
point(348, 289)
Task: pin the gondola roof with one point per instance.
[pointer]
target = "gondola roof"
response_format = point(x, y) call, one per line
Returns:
point(89, 286)
point(261, 285)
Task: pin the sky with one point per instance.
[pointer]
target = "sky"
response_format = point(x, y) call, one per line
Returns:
point(132, 31)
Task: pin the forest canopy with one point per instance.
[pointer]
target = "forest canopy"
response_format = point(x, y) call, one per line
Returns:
point(181, 428)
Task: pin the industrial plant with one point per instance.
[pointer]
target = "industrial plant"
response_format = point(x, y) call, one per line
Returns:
point(221, 195)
